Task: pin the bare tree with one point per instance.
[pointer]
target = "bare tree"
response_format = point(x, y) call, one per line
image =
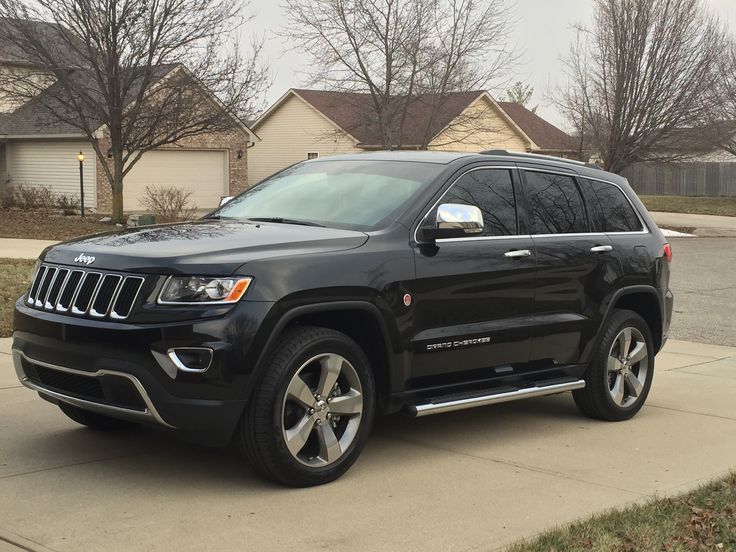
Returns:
point(640, 72)
point(136, 75)
point(521, 93)
point(400, 52)
point(720, 126)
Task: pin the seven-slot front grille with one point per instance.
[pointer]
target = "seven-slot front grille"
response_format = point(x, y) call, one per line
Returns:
point(84, 292)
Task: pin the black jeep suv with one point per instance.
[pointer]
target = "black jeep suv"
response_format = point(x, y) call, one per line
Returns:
point(347, 286)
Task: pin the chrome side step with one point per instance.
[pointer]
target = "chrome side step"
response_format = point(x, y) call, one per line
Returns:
point(427, 409)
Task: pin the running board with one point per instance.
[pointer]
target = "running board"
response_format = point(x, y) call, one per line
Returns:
point(440, 406)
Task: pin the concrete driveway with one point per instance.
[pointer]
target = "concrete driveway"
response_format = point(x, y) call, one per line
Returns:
point(473, 480)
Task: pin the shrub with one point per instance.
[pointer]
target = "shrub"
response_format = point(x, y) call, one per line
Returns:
point(37, 197)
point(68, 203)
point(169, 203)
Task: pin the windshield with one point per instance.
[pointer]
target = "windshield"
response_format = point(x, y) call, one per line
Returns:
point(359, 195)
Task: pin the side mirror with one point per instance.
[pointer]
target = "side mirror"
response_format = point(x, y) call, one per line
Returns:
point(225, 199)
point(454, 220)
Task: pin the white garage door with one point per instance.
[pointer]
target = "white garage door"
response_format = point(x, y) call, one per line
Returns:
point(53, 165)
point(204, 173)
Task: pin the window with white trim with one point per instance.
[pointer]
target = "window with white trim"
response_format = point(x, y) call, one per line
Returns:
point(313, 155)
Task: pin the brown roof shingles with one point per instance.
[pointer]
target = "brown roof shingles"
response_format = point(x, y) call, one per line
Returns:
point(544, 134)
point(353, 113)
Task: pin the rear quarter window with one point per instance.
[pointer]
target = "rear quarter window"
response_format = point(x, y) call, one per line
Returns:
point(609, 209)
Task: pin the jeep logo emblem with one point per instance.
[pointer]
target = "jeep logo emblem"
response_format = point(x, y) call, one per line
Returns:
point(86, 259)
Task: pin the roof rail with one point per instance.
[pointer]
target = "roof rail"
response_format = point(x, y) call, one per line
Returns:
point(540, 156)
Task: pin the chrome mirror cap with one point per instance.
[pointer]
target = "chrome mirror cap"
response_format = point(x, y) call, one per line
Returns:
point(224, 200)
point(466, 219)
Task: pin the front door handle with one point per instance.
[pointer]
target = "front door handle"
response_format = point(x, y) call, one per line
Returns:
point(518, 253)
point(601, 249)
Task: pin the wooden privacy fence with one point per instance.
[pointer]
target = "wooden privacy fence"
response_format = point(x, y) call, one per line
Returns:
point(691, 179)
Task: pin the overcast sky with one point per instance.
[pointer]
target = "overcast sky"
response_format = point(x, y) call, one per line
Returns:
point(542, 33)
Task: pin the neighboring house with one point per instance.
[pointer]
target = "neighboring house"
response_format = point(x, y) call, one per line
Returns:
point(39, 149)
point(305, 124)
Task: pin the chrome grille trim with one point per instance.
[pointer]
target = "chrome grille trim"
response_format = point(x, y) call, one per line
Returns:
point(40, 273)
point(100, 286)
point(69, 283)
point(113, 311)
point(92, 296)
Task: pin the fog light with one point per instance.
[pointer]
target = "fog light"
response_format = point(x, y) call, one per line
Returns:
point(191, 359)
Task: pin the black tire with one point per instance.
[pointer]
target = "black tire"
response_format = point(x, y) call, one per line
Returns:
point(260, 436)
point(595, 399)
point(93, 420)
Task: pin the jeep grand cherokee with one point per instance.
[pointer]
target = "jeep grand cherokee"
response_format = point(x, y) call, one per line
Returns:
point(348, 286)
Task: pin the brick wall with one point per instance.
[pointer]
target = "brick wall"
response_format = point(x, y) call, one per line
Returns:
point(233, 142)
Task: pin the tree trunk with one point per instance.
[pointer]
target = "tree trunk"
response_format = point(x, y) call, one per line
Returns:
point(117, 192)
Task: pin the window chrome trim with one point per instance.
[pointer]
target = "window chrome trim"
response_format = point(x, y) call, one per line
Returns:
point(484, 238)
point(556, 170)
point(436, 203)
point(645, 228)
point(103, 408)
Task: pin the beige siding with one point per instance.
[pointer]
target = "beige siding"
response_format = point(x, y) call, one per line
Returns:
point(54, 165)
point(18, 84)
point(290, 132)
point(480, 127)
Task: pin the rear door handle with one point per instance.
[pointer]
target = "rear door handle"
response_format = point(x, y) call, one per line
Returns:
point(601, 249)
point(518, 253)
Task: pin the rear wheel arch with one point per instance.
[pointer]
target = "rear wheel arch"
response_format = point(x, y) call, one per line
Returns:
point(646, 304)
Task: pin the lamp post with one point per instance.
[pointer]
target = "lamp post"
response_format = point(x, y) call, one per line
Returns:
point(80, 157)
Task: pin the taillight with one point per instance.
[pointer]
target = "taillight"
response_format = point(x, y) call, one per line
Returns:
point(668, 252)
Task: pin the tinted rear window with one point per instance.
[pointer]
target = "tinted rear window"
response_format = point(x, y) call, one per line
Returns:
point(609, 209)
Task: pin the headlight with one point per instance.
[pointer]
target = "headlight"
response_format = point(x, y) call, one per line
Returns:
point(195, 290)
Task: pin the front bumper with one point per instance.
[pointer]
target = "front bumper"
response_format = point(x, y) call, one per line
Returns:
point(116, 369)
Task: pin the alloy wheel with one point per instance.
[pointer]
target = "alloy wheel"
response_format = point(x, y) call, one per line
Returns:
point(628, 367)
point(322, 410)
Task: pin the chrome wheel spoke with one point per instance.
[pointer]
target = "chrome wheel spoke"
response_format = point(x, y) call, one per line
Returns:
point(300, 392)
point(614, 364)
point(618, 390)
point(331, 367)
point(624, 340)
point(348, 404)
point(638, 353)
point(329, 446)
point(633, 384)
point(297, 436)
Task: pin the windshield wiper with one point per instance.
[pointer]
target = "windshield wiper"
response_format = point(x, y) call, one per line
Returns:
point(281, 220)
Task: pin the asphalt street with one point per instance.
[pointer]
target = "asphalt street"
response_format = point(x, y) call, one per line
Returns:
point(704, 283)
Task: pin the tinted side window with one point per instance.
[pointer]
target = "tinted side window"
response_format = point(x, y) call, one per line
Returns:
point(492, 191)
point(555, 204)
point(609, 209)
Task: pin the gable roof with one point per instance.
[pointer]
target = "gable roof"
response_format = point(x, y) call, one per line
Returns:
point(45, 116)
point(51, 33)
point(353, 113)
point(544, 134)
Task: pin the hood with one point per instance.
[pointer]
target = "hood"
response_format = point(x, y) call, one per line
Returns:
point(207, 247)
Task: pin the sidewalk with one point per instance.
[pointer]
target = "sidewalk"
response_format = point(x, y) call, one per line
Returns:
point(472, 480)
point(22, 249)
point(706, 226)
